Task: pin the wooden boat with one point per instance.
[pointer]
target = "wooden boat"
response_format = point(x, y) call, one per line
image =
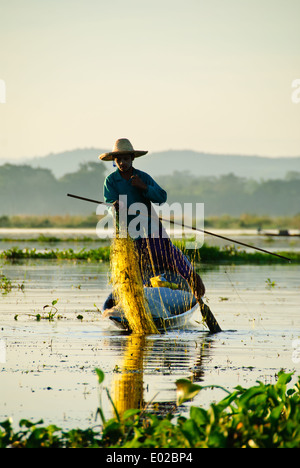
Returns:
point(280, 233)
point(172, 305)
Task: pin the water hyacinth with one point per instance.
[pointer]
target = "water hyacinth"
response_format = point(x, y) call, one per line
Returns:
point(186, 390)
point(262, 416)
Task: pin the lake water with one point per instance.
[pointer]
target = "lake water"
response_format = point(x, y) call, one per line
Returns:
point(48, 367)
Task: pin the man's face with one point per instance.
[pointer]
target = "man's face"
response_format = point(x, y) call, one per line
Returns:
point(124, 162)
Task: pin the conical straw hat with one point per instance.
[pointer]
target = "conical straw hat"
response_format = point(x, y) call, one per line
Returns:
point(121, 146)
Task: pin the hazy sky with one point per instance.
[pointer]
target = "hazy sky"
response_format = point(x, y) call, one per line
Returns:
point(207, 75)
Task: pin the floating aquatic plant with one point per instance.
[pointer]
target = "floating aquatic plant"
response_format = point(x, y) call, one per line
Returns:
point(186, 390)
point(261, 416)
point(270, 284)
point(5, 284)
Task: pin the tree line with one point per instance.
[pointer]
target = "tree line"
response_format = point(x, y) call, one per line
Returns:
point(28, 190)
point(233, 195)
point(36, 191)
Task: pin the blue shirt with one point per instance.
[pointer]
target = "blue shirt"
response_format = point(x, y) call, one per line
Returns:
point(115, 185)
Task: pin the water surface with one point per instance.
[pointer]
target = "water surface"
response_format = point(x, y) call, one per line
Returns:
point(48, 368)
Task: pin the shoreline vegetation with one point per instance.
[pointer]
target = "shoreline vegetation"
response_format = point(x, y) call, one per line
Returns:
point(261, 416)
point(206, 254)
point(100, 248)
point(244, 221)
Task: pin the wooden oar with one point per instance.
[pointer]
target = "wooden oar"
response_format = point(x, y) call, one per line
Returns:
point(209, 318)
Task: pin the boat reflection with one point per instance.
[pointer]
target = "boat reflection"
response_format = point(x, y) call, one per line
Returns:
point(160, 361)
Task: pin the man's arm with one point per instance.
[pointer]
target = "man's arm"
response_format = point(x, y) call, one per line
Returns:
point(150, 188)
point(109, 192)
point(110, 195)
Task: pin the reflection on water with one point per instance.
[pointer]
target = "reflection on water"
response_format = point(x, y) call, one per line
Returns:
point(156, 356)
point(127, 384)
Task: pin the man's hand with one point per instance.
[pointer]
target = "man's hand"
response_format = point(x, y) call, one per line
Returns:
point(116, 206)
point(136, 181)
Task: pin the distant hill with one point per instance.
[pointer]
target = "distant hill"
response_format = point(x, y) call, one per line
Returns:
point(66, 162)
point(203, 164)
point(166, 162)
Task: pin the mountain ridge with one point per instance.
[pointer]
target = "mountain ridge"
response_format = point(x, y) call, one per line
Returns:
point(168, 161)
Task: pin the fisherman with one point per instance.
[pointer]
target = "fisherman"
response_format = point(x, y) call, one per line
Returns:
point(153, 244)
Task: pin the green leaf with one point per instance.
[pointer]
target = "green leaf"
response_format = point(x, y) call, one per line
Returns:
point(199, 415)
point(130, 412)
point(27, 423)
point(250, 393)
point(186, 390)
point(283, 378)
point(276, 412)
point(100, 375)
point(191, 431)
point(228, 400)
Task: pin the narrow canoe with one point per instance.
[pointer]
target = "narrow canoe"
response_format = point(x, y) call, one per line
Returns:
point(170, 308)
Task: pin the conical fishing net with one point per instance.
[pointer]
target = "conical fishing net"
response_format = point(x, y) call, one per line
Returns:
point(128, 286)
